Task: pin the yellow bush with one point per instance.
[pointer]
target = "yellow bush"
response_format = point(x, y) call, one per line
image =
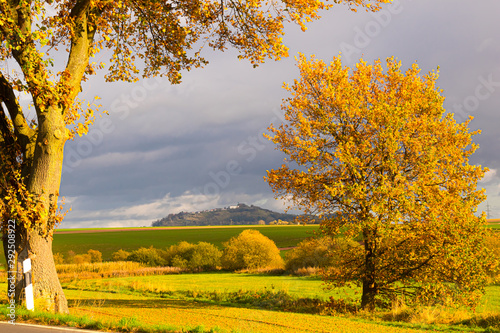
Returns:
point(95, 256)
point(317, 252)
point(308, 253)
point(251, 249)
point(58, 258)
point(120, 255)
point(81, 259)
point(493, 244)
point(200, 256)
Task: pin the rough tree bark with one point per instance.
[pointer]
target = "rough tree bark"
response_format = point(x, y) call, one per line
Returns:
point(45, 181)
point(47, 290)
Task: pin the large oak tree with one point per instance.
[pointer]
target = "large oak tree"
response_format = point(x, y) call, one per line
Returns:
point(374, 153)
point(157, 37)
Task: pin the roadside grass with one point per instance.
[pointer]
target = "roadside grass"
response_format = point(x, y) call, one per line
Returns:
point(109, 242)
point(229, 319)
point(146, 314)
point(298, 286)
point(125, 324)
point(286, 292)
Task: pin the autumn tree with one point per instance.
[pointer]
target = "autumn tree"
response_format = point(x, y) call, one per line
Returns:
point(48, 48)
point(375, 155)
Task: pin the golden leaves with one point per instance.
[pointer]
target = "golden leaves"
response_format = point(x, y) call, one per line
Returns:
point(378, 157)
point(27, 209)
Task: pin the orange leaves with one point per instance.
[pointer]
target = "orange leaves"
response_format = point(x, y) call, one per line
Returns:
point(377, 155)
point(163, 33)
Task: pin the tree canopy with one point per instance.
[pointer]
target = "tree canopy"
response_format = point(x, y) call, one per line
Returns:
point(375, 154)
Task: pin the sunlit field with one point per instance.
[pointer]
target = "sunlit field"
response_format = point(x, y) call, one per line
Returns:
point(230, 302)
point(130, 297)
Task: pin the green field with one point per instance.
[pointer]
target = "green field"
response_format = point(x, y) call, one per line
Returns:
point(108, 242)
point(302, 287)
point(207, 282)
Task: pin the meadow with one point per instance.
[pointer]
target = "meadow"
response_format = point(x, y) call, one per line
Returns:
point(231, 302)
point(128, 297)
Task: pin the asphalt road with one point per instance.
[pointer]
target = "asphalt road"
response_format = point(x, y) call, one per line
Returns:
point(6, 327)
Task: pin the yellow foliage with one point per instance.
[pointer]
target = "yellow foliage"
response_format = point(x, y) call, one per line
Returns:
point(383, 164)
point(251, 249)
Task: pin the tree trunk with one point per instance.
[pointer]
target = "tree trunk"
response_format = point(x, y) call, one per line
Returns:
point(369, 293)
point(370, 289)
point(44, 181)
point(47, 290)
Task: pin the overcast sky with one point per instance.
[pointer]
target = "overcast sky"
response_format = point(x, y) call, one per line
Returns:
point(198, 145)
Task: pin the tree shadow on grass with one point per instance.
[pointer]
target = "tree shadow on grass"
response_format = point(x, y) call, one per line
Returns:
point(139, 304)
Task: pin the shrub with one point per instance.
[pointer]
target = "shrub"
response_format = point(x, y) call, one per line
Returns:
point(492, 242)
point(177, 255)
point(205, 256)
point(178, 261)
point(148, 256)
point(202, 256)
point(69, 257)
point(311, 252)
point(120, 255)
point(279, 222)
point(58, 258)
point(81, 259)
point(95, 256)
point(249, 250)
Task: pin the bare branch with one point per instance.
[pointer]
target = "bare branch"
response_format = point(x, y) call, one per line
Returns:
point(6, 130)
point(81, 41)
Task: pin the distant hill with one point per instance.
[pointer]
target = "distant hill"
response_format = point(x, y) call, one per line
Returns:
point(232, 215)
